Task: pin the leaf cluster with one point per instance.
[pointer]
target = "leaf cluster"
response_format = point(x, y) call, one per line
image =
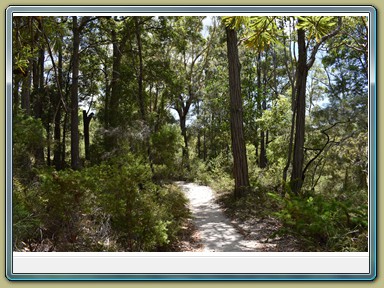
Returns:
point(317, 26)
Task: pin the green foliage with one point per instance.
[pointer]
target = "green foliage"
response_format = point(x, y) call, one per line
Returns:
point(27, 135)
point(25, 215)
point(323, 223)
point(278, 117)
point(235, 21)
point(113, 206)
point(117, 204)
point(173, 203)
point(216, 172)
point(166, 143)
point(317, 26)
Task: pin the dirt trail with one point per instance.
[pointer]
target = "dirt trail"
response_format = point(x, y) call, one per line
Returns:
point(216, 231)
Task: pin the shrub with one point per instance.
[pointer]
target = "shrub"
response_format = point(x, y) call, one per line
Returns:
point(108, 207)
point(166, 143)
point(27, 135)
point(26, 216)
point(322, 223)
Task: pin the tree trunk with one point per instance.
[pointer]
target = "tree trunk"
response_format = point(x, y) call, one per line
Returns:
point(198, 145)
point(26, 93)
point(297, 176)
point(15, 93)
point(86, 121)
point(263, 148)
point(240, 169)
point(290, 145)
point(63, 143)
point(75, 154)
point(204, 146)
point(183, 128)
point(112, 110)
point(57, 128)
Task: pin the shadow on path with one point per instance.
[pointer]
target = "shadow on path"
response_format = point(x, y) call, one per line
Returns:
point(216, 231)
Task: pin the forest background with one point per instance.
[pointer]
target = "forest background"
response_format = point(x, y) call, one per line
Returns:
point(109, 111)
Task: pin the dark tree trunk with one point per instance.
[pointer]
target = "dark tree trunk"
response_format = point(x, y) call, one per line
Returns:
point(297, 176)
point(48, 129)
point(204, 146)
point(198, 144)
point(41, 97)
point(261, 106)
point(15, 93)
point(291, 72)
point(198, 148)
point(290, 145)
point(26, 94)
point(240, 169)
point(141, 94)
point(263, 147)
point(57, 129)
point(112, 108)
point(75, 154)
point(86, 121)
point(107, 97)
point(115, 83)
point(263, 138)
point(63, 145)
point(183, 128)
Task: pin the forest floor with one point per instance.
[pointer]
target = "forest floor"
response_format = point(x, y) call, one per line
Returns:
point(210, 230)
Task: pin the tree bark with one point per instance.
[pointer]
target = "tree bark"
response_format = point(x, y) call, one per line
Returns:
point(86, 121)
point(57, 130)
point(75, 154)
point(262, 106)
point(183, 128)
point(113, 99)
point(240, 169)
point(297, 176)
point(26, 93)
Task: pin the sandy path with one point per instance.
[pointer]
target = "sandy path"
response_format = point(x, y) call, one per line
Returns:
point(216, 231)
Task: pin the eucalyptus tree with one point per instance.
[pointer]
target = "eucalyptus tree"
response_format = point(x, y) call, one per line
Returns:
point(189, 58)
point(240, 165)
point(322, 29)
point(312, 33)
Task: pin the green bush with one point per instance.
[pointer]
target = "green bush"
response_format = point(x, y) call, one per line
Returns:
point(26, 216)
point(28, 138)
point(216, 173)
point(173, 203)
point(107, 207)
point(322, 223)
point(65, 195)
point(144, 216)
point(166, 143)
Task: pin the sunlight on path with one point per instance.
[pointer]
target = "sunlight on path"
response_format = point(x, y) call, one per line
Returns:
point(216, 230)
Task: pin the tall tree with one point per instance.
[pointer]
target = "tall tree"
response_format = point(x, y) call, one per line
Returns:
point(301, 83)
point(192, 56)
point(240, 166)
point(318, 26)
point(75, 153)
